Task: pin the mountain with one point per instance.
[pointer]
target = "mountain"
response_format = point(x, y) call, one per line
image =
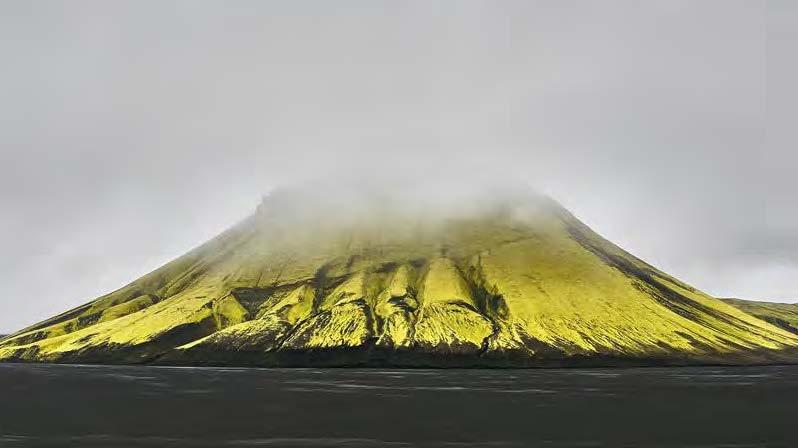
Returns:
point(783, 315)
point(313, 278)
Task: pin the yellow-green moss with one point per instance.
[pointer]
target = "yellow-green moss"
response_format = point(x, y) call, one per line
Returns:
point(783, 315)
point(522, 277)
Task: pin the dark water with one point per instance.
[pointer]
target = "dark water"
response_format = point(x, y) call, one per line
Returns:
point(90, 406)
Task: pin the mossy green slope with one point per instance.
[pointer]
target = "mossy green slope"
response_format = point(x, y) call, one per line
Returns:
point(783, 315)
point(519, 283)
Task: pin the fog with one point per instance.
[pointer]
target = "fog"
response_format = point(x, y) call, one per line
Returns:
point(132, 132)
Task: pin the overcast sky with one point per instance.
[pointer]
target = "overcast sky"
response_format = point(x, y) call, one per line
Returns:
point(133, 131)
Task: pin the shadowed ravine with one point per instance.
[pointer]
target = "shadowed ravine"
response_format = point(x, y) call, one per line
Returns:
point(512, 282)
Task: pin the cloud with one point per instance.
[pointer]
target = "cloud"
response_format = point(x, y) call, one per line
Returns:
point(132, 132)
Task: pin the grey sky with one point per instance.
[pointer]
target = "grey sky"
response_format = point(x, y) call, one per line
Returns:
point(133, 131)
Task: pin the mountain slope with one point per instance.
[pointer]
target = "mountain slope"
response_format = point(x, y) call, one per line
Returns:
point(783, 315)
point(513, 282)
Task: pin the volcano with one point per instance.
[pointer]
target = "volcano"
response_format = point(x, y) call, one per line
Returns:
point(516, 281)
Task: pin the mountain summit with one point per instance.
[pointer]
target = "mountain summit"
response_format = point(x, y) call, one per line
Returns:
point(318, 279)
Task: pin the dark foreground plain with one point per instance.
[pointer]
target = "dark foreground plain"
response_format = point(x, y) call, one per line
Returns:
point(115, 406)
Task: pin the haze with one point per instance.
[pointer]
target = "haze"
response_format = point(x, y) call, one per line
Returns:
point(132, 132)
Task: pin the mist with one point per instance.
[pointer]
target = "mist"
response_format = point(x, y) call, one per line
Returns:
point(134, 132)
